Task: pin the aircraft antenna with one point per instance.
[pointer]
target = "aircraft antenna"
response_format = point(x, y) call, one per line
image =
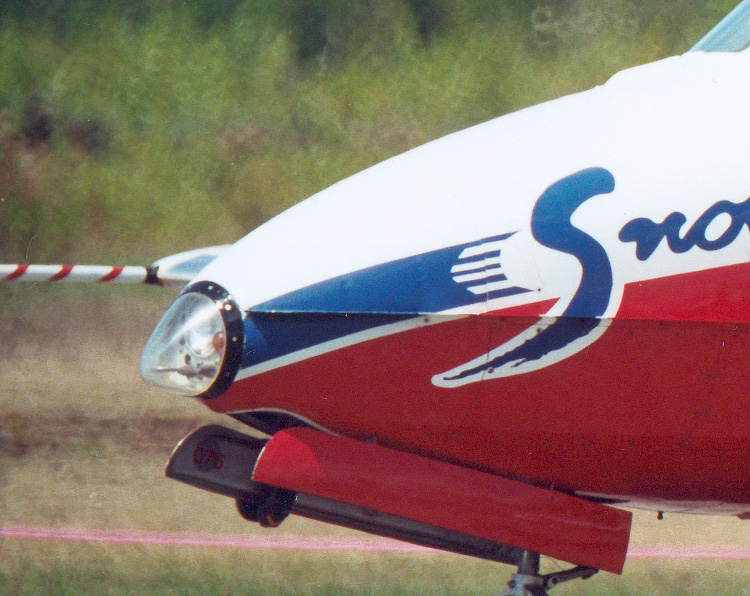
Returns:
point(173, 271)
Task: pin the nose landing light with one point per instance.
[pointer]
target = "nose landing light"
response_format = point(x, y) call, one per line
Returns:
point(197, 346)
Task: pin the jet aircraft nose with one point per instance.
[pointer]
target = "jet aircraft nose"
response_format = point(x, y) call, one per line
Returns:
point(197, 346)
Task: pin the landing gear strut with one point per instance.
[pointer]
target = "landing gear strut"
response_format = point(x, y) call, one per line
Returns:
point(528, 582)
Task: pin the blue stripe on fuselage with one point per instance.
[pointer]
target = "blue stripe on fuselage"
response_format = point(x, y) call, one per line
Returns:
point(362, 300)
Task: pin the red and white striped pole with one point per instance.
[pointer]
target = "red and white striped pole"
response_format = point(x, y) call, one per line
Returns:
point(77, 273)
point(174, 271)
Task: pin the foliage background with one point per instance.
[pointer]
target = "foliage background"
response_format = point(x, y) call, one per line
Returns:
point(131, 129)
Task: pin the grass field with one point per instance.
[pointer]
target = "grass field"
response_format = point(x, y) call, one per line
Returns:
point(130, 571)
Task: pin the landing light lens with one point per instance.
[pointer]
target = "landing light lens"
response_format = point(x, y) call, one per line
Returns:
point(186, 353)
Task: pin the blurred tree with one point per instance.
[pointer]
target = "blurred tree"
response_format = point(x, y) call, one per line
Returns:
point(429, 15)
point(308, 20)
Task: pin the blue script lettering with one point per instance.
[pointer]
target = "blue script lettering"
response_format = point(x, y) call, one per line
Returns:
point(647, 234)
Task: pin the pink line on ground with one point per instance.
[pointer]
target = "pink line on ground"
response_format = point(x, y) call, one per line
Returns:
point(281, 542)
point(313, 543)
point(686, 552)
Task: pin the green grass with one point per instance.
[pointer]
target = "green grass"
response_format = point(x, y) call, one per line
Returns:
point(166, 572)
point(244, 573)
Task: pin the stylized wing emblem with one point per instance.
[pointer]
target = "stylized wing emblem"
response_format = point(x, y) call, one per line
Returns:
point(479, 269)
point(581, 323)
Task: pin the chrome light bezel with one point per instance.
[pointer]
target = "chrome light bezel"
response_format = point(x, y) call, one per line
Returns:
point(231, 318)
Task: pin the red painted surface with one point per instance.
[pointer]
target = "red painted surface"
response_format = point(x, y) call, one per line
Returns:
point(718, 295)
point(446, 496)
point(658, 408)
